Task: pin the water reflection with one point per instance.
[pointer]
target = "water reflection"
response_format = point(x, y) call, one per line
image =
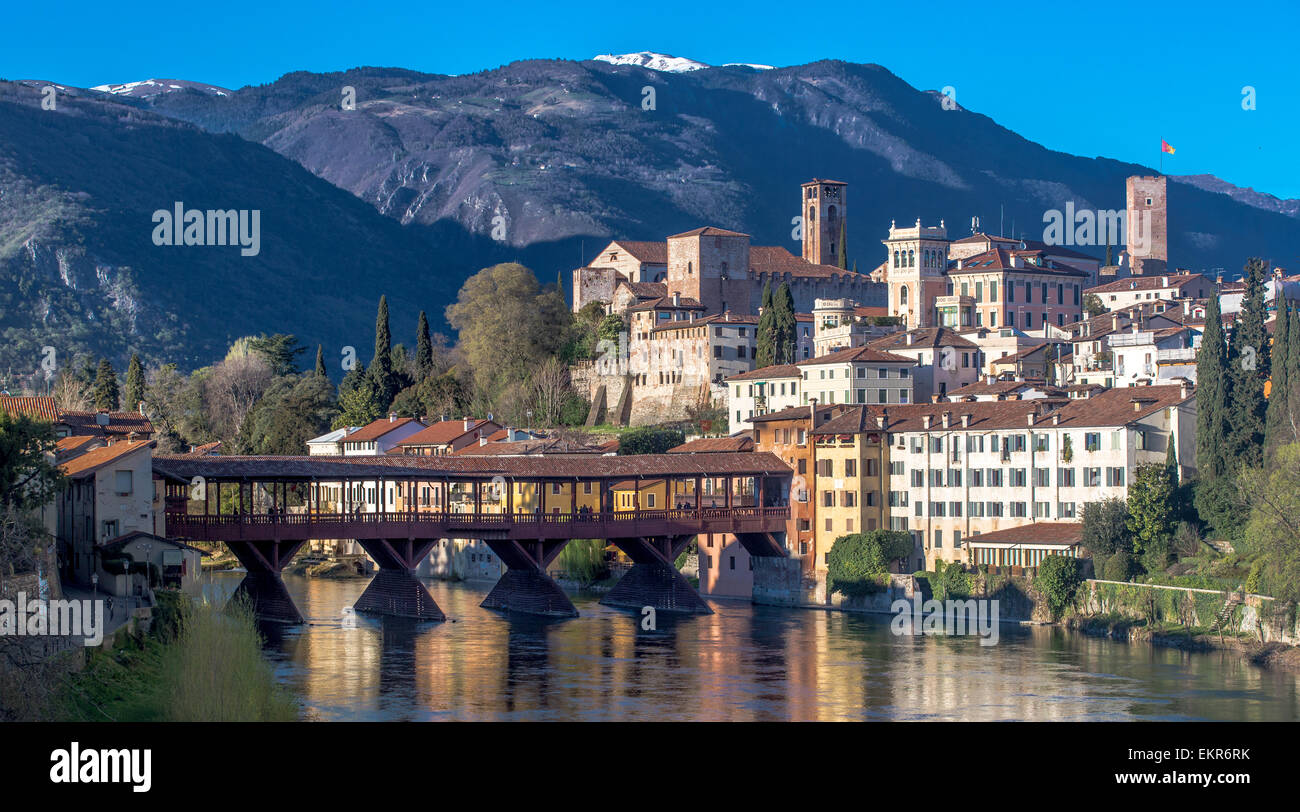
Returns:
point(744, 663)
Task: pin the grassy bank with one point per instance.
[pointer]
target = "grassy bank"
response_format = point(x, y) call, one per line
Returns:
point(199, 663)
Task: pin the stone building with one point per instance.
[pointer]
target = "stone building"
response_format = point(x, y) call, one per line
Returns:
point(1147, 224)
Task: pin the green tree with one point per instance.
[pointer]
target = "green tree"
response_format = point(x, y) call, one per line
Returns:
point(650, 440)
point(358, 399)
point(1248, 368)
point(1092, 304)
point(28, 476)
point(423, 349)
point(844, 245)
point(858, 563)
point(381, 366)
point(1058, 581)
point(765, 354)
point(508, 326)
point(1278, 430)
point(1212, 397)
point(1105, 527)
point(105, 391)
point(135, 383)
point(320, 361)
point(293, 410)
point(1151, 512)
point(1272, 533)
point(786, 326)
point(1171, 460)
point(280, 351)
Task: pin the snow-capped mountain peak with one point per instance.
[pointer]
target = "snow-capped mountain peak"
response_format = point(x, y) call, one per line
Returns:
point(653, 61)
point(155, 87)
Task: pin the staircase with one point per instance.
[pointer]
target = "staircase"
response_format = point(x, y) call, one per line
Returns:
point(1235, 599)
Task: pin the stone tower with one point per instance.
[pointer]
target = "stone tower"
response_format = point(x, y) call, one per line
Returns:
point(916, 262)
point(1146, 223)
point(825, 210)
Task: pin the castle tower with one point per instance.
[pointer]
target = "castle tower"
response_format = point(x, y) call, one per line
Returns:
point(825, 213)
point(1146, 224)
point(916, 262)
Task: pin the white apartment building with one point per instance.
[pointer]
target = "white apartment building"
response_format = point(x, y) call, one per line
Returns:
point(858, 375)
point(380, 437)
point(761, 391)
point(1144, 357)
point(958, 470)
point(945, 360)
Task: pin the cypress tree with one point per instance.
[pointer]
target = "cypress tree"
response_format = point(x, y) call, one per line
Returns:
point(105, 392)
point(844, 244)
point(1248, 369)
point(320, 361)
point(786, 326)
point(423, 348)
point(1292, 362)
point(765, 354)
point(1171, 459)
point(1212, 394)
point(1277, 423)
point(381, 368)
point(134, 382)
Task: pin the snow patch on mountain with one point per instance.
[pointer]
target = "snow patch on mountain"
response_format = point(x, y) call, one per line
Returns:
point(154, 87)
point(653, 61)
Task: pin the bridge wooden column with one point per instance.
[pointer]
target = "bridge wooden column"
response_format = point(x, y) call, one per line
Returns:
point(654, 579)
point(262, 587)
point(395, 591)
point(525, 587)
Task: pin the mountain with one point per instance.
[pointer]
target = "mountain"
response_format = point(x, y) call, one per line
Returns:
point(653, 61)
point(80, 272)
point(1259, 200)
point(562, 151)
point(154, 87)
point(404, 192)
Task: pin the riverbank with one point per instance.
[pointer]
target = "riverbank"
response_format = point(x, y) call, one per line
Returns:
point(198, 663)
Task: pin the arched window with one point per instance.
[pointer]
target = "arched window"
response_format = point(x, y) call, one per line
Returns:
point(911, 258)
point(896, 265)
point(902, 295)
point(812, 214)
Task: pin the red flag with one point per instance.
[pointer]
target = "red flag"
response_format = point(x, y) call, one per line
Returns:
point(1164, 147)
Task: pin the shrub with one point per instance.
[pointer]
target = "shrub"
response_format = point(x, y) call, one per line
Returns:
point(1058, 580)
point(856, 563)
point(952, 581)
point(1119, 567)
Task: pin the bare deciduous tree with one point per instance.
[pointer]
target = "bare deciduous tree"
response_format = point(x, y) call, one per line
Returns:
point(232, 390)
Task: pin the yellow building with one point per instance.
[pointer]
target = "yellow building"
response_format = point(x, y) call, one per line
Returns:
point(850, 467)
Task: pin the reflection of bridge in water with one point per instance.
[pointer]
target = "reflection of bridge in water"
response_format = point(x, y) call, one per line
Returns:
point(526, 509)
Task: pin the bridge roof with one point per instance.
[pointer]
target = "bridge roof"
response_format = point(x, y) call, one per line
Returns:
point(470, 467)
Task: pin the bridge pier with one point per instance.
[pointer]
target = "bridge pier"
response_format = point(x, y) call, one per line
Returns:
point(525, 587)
point(395, 591)
point(654, 579)
point(262, 587)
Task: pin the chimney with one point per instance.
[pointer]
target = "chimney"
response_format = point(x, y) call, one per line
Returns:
point(965, 420)
point(1032, 415)
point(882, 419)
point(909, 339)
point(392, 417)
point(677, 298)
point(101, 417)
point(469, 423)
point(925, 421)
point(934, 398)
point(1056, 419)
point(139, 407)
point(947, 419)
point(482, 440)
point(442, 418)
point(1164, 281)
point(1114, 322)
point(1183, 391)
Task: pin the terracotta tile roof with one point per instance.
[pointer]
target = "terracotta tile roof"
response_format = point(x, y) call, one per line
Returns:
point(444, 432)
point(984, 415)
point(867, 354)
point(206, 448)
point(1153, 282)
point(709, 231)
point(854, 420)
point(1003, 388)
point(774, 371)
point(377, 429)
point(1000, 259)
point(653, 253)
point(666, 303)
point(549, 445)
point(85, 464)
point(775, 259)
point(543, 467)
point(824, 412)
point(925, 337)
point(1030, 245)
point(1116, 407)
point(1063, 534)
point(646, 290)
point(714, 445)
point(723, 319)
point(68, 447)
point(42, 408)
point(119, 423)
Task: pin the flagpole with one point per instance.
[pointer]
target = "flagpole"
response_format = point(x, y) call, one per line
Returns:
point(1162, 155)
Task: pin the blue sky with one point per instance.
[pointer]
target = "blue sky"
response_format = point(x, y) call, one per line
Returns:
point(1094, 79)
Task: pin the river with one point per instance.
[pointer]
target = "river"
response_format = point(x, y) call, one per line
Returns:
point(744, 663)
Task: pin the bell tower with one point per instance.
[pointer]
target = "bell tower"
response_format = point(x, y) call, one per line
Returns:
point(825, 213)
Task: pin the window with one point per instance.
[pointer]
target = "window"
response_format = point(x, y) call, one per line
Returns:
point(1042, 477)
point(1115, 477)
point(850, 468)
point(1092, 440)
point(1065, 477)
point(122, 482)
point(938, 538)
point(110, 529)
point(1066, 510)
point(1091, 477)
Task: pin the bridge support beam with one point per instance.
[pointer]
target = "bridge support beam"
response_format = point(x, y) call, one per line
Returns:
point(525, 587)
point(262, 587)
point(654, 579)
point(395, 591)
